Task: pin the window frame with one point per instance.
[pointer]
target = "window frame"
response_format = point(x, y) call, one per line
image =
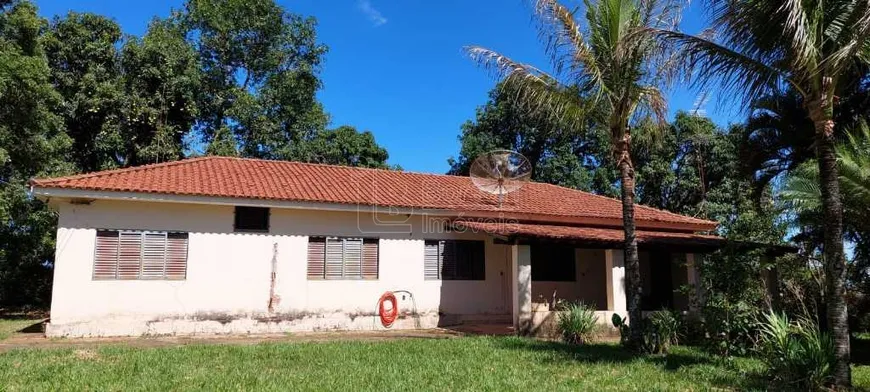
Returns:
point(236, 220)
point(475, 272)
point(141, 274)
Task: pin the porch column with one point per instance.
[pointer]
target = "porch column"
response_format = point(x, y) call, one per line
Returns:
point(615, 269)
point(521, 275)
point(693, 279)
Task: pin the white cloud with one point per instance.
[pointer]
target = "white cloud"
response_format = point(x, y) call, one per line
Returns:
point(374, 15)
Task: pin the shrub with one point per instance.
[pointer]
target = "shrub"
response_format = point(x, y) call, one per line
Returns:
point(731, 325)
point(577, 323)
point(692, 330)
point(622, 326)
point(797, 354)
point(658, 330)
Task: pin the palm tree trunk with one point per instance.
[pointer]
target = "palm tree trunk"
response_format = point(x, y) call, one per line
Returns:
point(632, 263)
point(821, 112)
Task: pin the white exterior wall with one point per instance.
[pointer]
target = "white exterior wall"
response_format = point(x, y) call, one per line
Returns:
point(228, 274)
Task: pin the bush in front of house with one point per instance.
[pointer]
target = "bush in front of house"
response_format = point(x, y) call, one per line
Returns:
point(577, 323)
point(659, 330)
point(797, 354)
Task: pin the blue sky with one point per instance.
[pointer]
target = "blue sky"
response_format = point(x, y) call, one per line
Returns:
point(396, 67)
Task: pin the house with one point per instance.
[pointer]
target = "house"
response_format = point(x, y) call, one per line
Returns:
point(229, 245)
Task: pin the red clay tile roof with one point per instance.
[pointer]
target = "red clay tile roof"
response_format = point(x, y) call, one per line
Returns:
point(304, 182)
point(595, 235)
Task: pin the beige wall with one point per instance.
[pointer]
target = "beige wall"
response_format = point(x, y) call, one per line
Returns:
point(590, 286)
point(228, 273)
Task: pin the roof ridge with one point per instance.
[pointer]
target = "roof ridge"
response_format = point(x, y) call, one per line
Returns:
point(344, 167)
point(129, 169)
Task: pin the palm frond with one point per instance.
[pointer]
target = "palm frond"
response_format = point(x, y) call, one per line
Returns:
point(566, 45)
point(857, 43)
point(533, 90)
point(798, 32)
point(735, 72)
point(854, 165)
point(501, 66)
point(652, 101)
point(801, 192)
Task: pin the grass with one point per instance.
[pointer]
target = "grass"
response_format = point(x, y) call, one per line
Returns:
point(471, 363)
point(10, 326)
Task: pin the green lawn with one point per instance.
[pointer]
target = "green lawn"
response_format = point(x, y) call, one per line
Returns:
point(474, 363)
point(10, 326)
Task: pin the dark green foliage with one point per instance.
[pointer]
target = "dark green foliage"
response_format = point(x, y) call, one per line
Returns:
point(78, 96)
point(659, 330)
point(797, 354)
point(341, 146)
point(83, 56)
point(259, 67)
point(32, 143)
point(160, 79)
point(577, 323)
point(557, 156)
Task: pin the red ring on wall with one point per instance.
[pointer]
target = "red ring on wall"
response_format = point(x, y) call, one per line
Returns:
point(388, 317)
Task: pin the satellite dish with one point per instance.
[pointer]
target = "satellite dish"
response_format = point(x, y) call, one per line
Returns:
point(500, 172)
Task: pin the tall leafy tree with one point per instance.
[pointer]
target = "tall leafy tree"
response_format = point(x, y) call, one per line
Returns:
point(32, 143)
point(760, 46)
point(161, 78)
point(260, 68)
point(677, 169)
point(563, 158)
point(83, 56)
point(610, 59)
point(343, 146)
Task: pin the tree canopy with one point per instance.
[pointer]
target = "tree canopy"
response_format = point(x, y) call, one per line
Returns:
point(217, 77)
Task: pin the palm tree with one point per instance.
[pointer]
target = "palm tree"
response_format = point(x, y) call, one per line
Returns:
point(612, 62)
point(756, 47)
point(803, 195)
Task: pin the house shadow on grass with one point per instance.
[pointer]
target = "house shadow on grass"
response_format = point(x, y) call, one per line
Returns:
point(724, 374)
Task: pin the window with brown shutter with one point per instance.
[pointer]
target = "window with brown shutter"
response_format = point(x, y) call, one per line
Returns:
point(316, 257)
point(454, 260)
point(342, 258)
point(131, 255)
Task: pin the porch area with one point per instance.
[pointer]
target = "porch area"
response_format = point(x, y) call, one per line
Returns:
point(553, 265)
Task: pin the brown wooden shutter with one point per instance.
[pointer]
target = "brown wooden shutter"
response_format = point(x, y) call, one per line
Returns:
point(106, 255)
point(129, 255)
point(353, 248)
point(334, 258)
point(316, 257)
point(370, 259)
point(430, 260)
point(176, 256)
point(153, 255)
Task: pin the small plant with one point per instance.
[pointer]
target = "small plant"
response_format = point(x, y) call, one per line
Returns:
point(620, 324)
point(658, 330)
point(797, 354)
point(577, 323)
